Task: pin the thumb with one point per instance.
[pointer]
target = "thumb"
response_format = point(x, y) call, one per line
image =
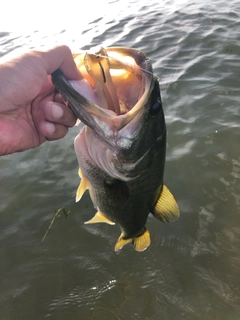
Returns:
point(61, 58)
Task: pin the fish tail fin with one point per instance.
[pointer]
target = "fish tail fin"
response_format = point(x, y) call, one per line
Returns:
point(140, 243)
point(166, 208)
point(143, 241)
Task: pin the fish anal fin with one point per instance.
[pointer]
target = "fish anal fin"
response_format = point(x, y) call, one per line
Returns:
point(140, 243)
point(99, 218)
point(83, 186)
point(166, 208)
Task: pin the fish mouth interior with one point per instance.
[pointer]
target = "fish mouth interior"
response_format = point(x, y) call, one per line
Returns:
point(116, 80)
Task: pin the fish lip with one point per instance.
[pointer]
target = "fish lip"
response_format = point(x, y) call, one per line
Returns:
point(105, 125)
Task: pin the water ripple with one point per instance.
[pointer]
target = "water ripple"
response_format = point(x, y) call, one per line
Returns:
point(191, 270)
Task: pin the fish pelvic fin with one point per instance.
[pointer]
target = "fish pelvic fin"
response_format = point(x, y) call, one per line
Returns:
point(166, 208)
point(83, 186)
point(140, 243)
point(99, 218)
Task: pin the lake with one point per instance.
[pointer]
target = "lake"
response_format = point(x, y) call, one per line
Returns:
point(191, 270)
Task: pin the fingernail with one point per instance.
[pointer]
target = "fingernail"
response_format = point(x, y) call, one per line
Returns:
point(49, 128)
point(57, 112)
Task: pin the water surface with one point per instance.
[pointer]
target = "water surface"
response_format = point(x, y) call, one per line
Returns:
point(191, 270)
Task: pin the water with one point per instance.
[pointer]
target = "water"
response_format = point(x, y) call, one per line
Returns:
point(191, 270)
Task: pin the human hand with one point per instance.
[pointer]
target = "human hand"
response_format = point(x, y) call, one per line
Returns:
point(30, 111)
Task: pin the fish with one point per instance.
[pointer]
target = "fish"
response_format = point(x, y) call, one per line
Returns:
point(121, 148)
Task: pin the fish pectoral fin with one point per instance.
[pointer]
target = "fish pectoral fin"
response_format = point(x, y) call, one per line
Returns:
point(166, 208)
point(99, 218)
point(80, 173)
point(140, 243)
point(83, 186)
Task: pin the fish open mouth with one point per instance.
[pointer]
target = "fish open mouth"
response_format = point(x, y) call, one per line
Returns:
point(116, 83)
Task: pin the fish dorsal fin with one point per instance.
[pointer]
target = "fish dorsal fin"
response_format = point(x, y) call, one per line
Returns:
point(83, 186)
point(140, 243)
point(99, 218)
point(166, 208)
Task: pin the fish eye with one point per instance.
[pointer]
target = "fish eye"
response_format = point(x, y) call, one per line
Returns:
point(156, 108)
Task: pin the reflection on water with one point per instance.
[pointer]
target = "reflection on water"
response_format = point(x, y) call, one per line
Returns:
point(191, 270)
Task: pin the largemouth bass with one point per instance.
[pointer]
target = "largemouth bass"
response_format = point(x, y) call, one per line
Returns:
point(121, 149)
